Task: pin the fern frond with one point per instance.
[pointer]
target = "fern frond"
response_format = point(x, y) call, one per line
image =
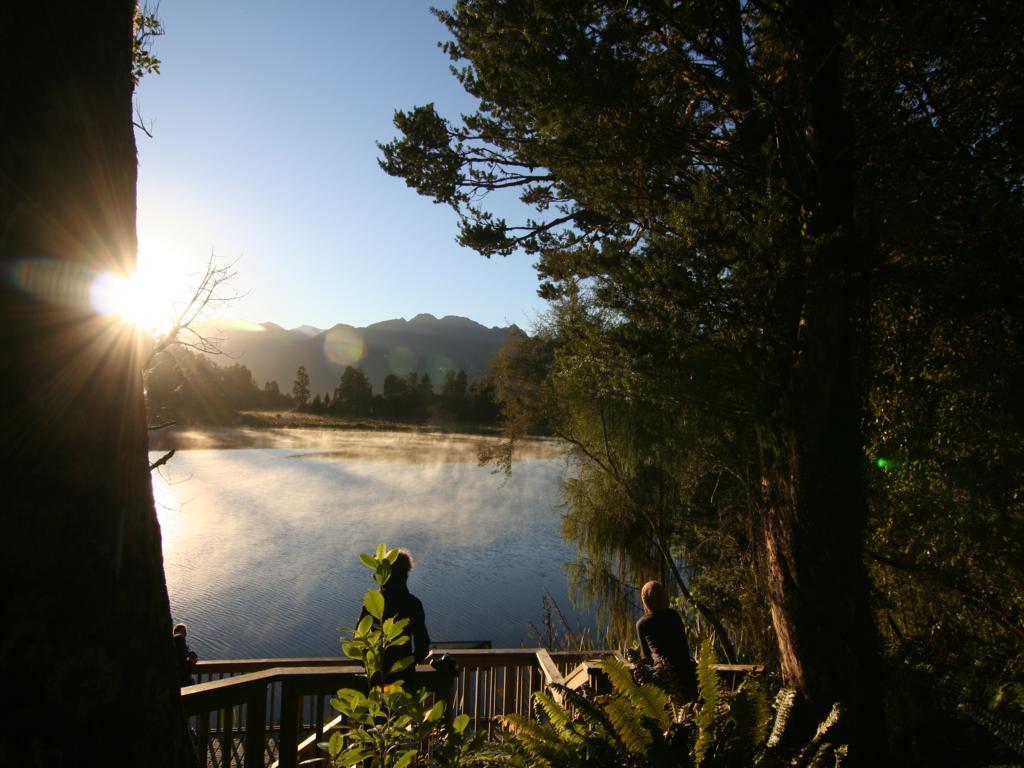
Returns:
point(829, 723)
point(761, 709)
point(619, 675)
point(785, 700)
point(709, 718)
point(707, 677)
point(592, 716)
point(824, 757)
point(558, 718)
point(540, 741)
point(818, 749)
point(1010, 732)
point(751, 716)
point(651, 700)
point(553, 713)
point(629, 726)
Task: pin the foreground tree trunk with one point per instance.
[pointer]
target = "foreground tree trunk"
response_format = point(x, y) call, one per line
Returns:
point(810, 425)
point(86, 656)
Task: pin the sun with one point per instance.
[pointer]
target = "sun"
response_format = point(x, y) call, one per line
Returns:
point(133, 299)
point(146, 298)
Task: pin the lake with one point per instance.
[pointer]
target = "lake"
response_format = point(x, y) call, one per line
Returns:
point(262, 531)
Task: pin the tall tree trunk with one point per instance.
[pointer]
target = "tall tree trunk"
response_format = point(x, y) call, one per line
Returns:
point(810, 432)
point(85, 651)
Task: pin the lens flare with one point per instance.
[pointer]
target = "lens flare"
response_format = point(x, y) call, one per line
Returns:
point(401, 361)
point(51, 280)
point(343, 346)
point(438, 366)
point(238, 324)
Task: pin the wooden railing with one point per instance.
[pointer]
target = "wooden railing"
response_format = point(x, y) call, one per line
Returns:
point(274, 712)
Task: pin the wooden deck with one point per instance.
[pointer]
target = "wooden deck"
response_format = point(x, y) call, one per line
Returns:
point(254, 713)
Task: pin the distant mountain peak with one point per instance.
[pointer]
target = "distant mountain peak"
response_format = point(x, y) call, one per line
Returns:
point(425, 344)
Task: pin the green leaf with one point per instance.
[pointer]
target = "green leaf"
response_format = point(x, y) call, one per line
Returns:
point(335, 744)
point(352, 756)
point(406, 758)
point(460, 723)
point(401, 664)
point(401, 624)
point(434, 713)
point(393, 629)
point(364, 626)
point(354, 650)
point(381, 552)
point(368, 561)
point(374, 604)
point(392, 556)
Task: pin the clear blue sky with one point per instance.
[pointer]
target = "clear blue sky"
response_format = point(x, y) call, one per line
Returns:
point(264, 118)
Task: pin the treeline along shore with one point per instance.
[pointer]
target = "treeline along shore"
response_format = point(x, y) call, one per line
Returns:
point(185, 389)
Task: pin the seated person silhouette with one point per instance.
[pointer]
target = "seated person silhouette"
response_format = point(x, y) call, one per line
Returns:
point(663, 641)
point(399, 603)
point(185, 656)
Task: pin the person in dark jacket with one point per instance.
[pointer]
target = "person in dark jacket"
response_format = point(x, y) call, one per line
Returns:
point(399, 603)
point(184, 655)
point(663, 641)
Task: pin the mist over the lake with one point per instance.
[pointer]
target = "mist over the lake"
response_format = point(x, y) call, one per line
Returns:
point(261, 544)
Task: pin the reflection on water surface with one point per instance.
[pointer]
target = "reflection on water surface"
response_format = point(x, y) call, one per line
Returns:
point(425, 447)
point(261, 544)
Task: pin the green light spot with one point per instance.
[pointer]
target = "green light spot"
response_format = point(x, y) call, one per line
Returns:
point(883, 464)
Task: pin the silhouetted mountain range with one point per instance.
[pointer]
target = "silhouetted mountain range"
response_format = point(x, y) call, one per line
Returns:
point(425, 344)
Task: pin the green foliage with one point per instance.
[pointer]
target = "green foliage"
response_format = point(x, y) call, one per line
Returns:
point(389, 727)
point(353, 396)
point(731, 729)
point(709, 721)
point(638, 724)
point(634, 726)
point(147, 26)
point(1003, 717)
point(776, 241)
point(646, 480)
point(185, 387)
point(300, 387)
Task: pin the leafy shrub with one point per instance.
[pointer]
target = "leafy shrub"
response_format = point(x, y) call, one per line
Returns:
point(639, 724)
point(389, 727)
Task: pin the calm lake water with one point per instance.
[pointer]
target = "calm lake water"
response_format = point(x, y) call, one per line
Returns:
point(261, 545)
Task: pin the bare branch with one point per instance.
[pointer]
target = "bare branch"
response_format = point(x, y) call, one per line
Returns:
point(140, 123)
point(162, 460)
point(208, 297)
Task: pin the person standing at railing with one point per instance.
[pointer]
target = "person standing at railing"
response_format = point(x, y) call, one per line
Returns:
point(185, 656)
point(663, 641)
point(399, 603)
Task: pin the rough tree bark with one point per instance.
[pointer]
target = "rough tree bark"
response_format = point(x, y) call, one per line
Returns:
point(810, 422)
point(85, 651)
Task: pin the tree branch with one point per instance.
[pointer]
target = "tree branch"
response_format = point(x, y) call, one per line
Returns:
point(162, 460)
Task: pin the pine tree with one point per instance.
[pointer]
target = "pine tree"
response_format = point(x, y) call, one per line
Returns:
point(300, 388)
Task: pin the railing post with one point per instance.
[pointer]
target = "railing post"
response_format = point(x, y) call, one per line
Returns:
point(549, 672)
point(508, 698)
point(288, 744)
point(227, 736)
point(256, 726)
